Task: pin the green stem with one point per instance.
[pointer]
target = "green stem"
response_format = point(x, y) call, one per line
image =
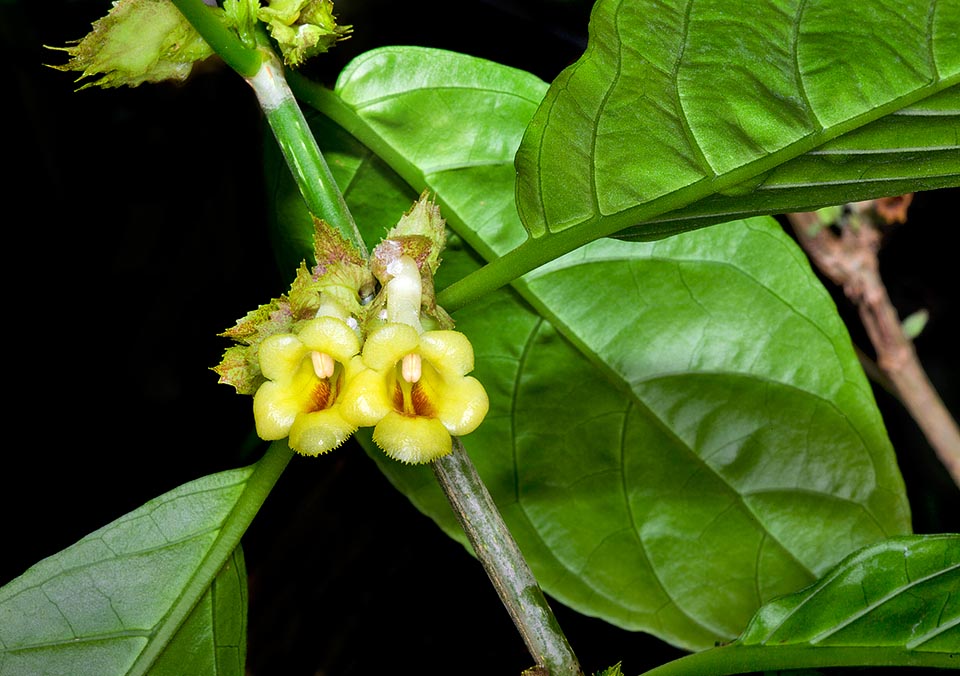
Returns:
point(504, 563)
point(225, 42)
point(331, 105)
point(307, 164)
point(510, 267)
point(262, 69)
point(739, 659)
point(265, 474)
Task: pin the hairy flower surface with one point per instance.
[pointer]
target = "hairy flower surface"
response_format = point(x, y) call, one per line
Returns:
point(306, 373)
point(415, 391)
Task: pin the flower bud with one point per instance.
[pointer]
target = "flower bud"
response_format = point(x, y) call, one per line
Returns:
point(138, 41)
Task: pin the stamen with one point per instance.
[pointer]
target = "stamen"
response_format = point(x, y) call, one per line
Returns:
point(411, 368)
point(322, 364)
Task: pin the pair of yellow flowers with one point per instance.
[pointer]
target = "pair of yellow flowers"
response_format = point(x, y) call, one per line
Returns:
point(321, 364)
point(412, 387)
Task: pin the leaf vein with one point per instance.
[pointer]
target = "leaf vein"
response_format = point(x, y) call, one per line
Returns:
point(521, 364)
point(870, 607)
point(798, 73)
point(359, 105)
point(691, 139)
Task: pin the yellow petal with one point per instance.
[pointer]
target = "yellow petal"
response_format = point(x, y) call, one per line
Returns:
point(331, 336)
point(450, 352)
point(276, 404)
point(388, 344)
point(280, 356)
point(412, 439)
point(364, 400)
point(462, 405)
point(319, 432)
point(273, 411)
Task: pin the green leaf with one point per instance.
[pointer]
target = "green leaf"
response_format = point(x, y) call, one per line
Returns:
point(213, 639)
point(439, 120)
point(788, 107)
point(902, 592)
point(909, 150)
point(136, 595)
point(679, 431)
point(894, 603)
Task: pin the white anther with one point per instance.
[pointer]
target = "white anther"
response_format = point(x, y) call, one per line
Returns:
point(322, 364)
point(411, 368)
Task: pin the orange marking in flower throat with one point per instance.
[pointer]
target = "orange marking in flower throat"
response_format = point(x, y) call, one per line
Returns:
point(409, 396)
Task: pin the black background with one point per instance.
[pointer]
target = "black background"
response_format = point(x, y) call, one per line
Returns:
point(134, 223)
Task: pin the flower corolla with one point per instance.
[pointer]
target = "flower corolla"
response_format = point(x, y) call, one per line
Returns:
point(306, 372)
point(415, 391)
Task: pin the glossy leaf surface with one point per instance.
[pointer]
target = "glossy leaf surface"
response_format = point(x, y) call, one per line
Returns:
point(439, 120)
point(787, 106)
point(679, 430)
point(893, 603)
point(107, 602)
point(912, 149)
point(902, 592)
point(656, 430)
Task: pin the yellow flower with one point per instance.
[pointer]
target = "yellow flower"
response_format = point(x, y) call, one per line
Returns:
point(416, 391)
point(306, 374)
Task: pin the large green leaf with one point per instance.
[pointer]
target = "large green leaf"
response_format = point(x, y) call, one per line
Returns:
point(782, 106)
point(162, 588)
point(679, 430)
point(894, 603)
point(915, 148)
point(439, 120)
point(681, 433)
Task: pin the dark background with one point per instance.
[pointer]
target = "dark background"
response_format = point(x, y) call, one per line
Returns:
point(134, 223)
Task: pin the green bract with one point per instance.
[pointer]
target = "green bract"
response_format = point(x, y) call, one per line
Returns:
point(332, 288)
point(138, 41)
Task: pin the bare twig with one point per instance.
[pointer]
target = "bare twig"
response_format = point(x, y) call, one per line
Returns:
point(850, 261)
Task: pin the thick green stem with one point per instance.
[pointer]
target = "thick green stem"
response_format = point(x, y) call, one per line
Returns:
point(261, 68)
point(225, 42)
point(504, 563)
point(299, 147)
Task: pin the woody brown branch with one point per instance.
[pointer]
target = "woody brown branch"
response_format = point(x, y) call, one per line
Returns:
point(850, 261)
